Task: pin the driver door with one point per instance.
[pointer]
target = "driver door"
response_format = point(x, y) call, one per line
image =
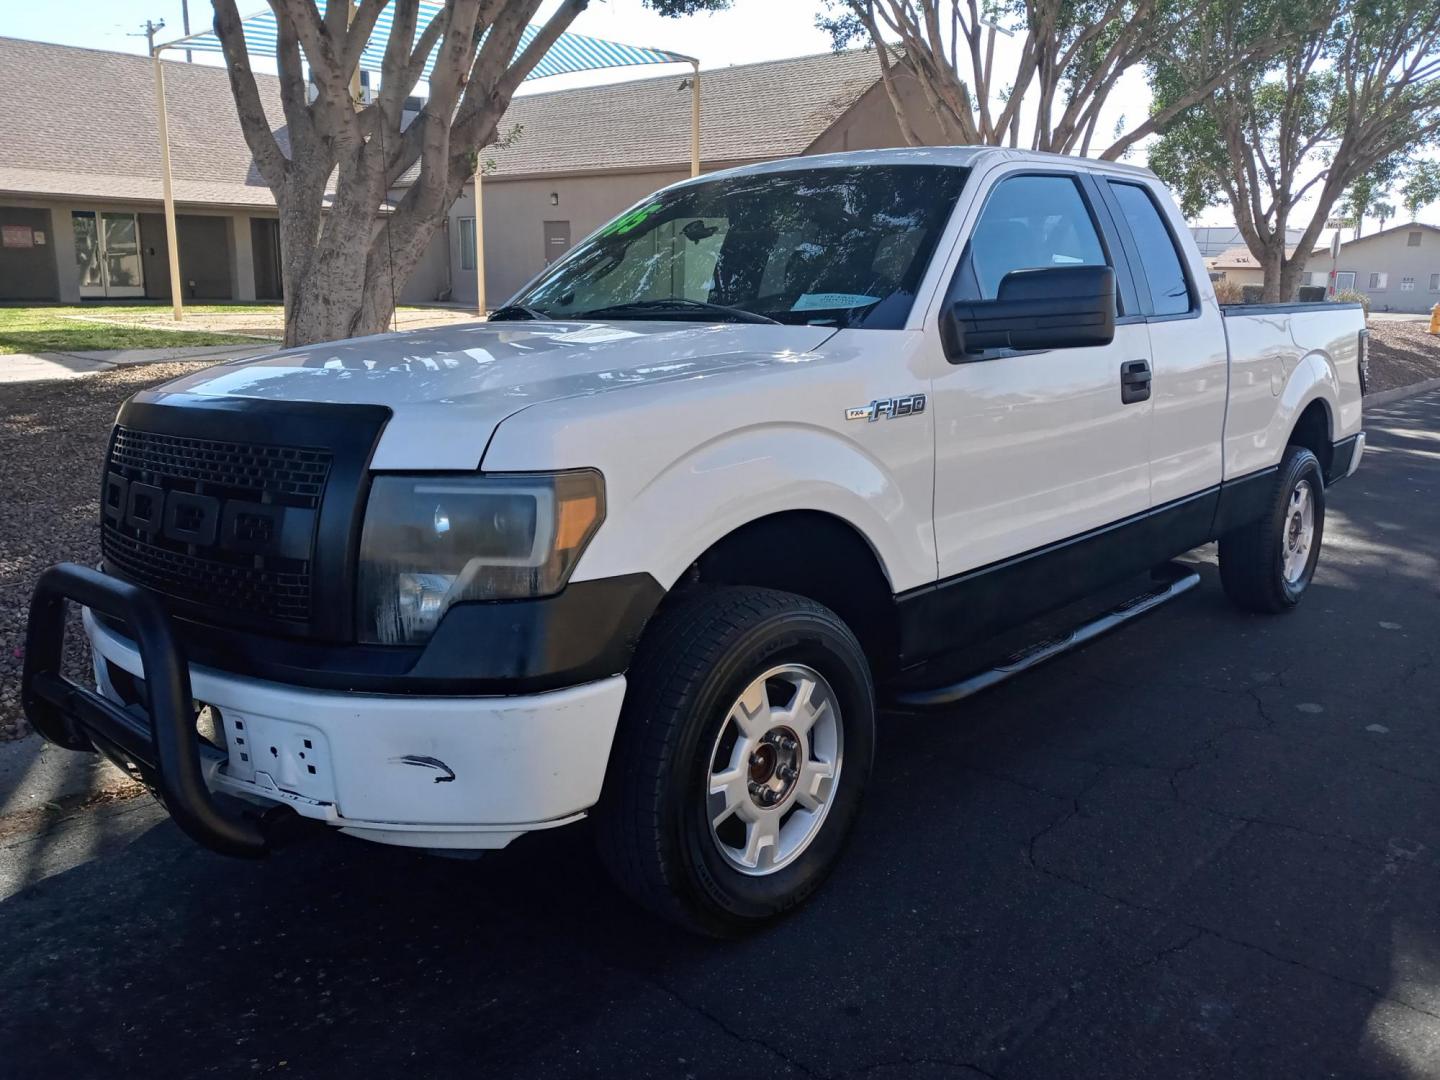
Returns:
point(1036, 448)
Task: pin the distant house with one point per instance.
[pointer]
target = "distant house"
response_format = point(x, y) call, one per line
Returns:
point(584, 155)
point(1219, 239)
point(1398, 269)
point(1237, 266)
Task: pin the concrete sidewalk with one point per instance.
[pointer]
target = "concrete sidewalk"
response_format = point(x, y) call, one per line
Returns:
point(34, 367)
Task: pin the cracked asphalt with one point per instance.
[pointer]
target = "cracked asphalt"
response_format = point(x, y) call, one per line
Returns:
point(1207, 845)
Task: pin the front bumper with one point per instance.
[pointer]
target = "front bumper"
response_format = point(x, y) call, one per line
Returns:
point(428, 771)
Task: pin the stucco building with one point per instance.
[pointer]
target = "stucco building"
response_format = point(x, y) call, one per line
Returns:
point(80, 183)
point(584, 155)
point(1398, 269)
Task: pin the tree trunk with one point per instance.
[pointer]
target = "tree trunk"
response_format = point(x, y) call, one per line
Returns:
point(1272, 261)
point(1291, 271)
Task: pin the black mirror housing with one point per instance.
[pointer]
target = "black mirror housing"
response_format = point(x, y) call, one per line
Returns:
point(1052, 307)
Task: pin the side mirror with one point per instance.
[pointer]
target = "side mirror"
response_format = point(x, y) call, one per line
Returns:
point(1053, 307)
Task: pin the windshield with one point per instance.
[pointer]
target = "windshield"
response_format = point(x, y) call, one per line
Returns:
point(841, 247)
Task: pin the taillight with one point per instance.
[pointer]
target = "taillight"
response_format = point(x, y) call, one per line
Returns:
point(1364, 360)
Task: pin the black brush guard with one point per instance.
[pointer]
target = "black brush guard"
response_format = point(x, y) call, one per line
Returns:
point(160, 740)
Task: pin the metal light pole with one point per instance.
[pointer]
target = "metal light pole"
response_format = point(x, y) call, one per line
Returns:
point(695, 119)
point(479, 237)
point(172, 240)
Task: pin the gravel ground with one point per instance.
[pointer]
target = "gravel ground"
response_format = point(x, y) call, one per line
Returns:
point(52, 435)
point(1402, 353)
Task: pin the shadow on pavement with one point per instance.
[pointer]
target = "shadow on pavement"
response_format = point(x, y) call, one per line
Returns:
point(1204, 846)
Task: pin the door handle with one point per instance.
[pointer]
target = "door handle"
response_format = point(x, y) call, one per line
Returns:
point(1134, 381)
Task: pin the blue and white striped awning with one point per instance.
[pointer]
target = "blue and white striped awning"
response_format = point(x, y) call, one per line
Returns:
point(571, 52)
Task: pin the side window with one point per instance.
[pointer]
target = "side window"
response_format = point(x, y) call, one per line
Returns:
point(1030, 222)
point(1164, 269)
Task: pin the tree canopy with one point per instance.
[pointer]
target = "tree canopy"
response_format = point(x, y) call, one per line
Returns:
point(336, 172)
point(1282, 140)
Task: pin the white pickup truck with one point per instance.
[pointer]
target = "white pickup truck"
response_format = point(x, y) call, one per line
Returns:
point(650, 543)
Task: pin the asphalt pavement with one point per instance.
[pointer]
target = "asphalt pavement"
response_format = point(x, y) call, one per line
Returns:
point(1208, 845)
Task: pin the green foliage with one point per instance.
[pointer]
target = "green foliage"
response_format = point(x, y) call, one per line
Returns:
point(1349, 296)
point(1421, 187)
point(672, 8)
point(1343, 111)
point(1189, 157)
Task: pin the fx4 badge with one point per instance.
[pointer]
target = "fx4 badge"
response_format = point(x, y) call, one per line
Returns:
point(891, 407)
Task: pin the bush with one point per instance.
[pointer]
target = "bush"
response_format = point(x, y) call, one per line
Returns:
point(1353, 297)
point(1228, 292)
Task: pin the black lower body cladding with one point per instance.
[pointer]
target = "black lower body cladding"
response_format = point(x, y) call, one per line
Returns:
point(587, 631)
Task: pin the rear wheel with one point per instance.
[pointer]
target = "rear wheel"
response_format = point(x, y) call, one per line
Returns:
point(1267, 565)
point(743, 750)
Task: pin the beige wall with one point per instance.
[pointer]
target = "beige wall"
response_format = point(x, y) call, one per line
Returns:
point(516, 209)
point(515, 216)
point(870, 123)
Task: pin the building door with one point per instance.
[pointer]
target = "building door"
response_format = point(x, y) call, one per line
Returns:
point(107, 252)
point(265, 249)
point(557, 240)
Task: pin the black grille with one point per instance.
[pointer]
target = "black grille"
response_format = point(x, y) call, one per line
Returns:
point(292, 471)
point(225, 525)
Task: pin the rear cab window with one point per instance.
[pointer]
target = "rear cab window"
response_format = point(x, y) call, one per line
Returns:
point(1160, 258)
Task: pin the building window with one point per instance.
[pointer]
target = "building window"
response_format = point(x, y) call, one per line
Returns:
point(1378, 282)
point(1345, 281)
point(1435, 282)
point(1413, 239)
point(467, 242)
point(1407, 284)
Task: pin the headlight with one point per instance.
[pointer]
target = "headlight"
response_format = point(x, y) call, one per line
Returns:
point(433, 541)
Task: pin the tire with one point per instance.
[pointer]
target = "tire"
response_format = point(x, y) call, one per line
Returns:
point(680, 735)
point(1267, 565)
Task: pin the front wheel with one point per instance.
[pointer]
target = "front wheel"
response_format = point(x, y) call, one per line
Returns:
point(743, 750)
point(1266, 566)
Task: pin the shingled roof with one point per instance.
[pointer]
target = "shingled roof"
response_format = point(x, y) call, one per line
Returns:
point(748, 113)
point(82, 122)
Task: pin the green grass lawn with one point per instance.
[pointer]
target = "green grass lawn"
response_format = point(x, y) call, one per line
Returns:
point(46, 329)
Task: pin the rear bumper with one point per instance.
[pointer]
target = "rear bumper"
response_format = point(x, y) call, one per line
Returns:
point(418, 771)
point(1345, 457)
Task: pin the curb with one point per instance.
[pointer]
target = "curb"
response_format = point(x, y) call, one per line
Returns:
point(1400, 393)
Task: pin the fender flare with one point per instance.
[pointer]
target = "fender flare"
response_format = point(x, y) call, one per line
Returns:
point(755, 472)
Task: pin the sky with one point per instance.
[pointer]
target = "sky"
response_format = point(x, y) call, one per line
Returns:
point(750, 31)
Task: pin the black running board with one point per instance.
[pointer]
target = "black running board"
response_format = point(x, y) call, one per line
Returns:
point(1173, 580)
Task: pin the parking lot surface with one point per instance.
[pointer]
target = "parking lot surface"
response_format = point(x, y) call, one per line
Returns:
point(1208, 845)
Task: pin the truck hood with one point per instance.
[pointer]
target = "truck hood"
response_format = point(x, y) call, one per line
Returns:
point(448, 388)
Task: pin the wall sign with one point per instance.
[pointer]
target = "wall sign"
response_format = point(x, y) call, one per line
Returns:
point(17, 236)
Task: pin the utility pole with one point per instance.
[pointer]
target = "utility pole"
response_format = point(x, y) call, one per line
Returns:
point(185, 23)
point(172, 241)
point(151, 29)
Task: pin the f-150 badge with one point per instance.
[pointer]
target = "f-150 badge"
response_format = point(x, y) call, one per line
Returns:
point(890, 407)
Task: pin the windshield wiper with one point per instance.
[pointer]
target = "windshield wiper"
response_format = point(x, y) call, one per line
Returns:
point(674, 305)
point(515, 312)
